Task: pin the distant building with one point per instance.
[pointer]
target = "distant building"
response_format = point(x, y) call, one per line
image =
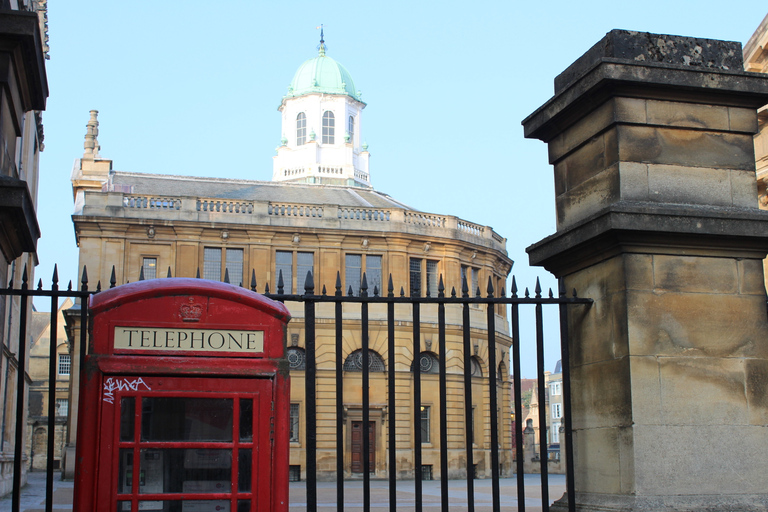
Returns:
point(550, 442)
point(22, 98)
point(39, 398)
point(319, 214)
point(756, 60)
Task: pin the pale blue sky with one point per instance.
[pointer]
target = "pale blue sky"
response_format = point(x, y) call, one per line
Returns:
point(189, 89)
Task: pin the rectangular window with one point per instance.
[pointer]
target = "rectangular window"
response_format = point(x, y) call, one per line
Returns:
point(293, 435)
point(555, 389)
point(354, 266)
point(65, 364)
point(304, 265)
point(431, 278)
point(415, 276)
point(425, 424)
point(423, 287)
point(219, 263)
point(212, 263)
point(555, 433)
point(472, 276)
point(62, 406)
point(353, 271)
point(284, 264)
point(373, 273)
point(556, 411)
point(234, 266)
point(149, 268)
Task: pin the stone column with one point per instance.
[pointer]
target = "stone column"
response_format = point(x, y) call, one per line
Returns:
point(658, 222)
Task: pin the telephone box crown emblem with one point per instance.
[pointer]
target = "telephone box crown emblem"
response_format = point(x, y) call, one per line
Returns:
point(191, 312)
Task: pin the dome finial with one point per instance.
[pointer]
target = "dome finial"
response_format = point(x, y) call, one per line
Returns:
point(321, 51)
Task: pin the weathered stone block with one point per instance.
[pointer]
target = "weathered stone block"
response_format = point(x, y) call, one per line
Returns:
point(687, 115)
point(751, 277)
point(699, 460)
point(602, 396)
point(701, 391)
point(602, 455)
point(695, 274)
point(757, 398)
point(743, 189)
point(682, 147)
point(588, 197)
point(742, 120)
point(633, 179)
point(696, 324)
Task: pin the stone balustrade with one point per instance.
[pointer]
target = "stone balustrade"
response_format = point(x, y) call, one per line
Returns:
point(348, 218)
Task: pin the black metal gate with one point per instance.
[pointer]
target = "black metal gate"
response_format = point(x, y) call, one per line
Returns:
point(365, 300)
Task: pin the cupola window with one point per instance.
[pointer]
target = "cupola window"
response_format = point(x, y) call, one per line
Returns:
point(301, 129)
point(351, 129)
point(329, 127)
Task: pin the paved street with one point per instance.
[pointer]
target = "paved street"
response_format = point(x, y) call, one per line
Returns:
point(33, 495)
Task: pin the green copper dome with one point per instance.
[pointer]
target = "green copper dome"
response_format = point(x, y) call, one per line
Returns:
point(322, 74)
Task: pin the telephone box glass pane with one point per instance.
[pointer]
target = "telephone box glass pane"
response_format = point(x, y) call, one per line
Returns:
point(127, 418)
point(176, 419)
point(243, 505)
point(123, 506)
point(187, 470)
point(187, 506)
point(246, 419)
point(125, 473)
point(244, 471)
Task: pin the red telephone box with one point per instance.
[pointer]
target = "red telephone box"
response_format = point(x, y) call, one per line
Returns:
point(184, 400)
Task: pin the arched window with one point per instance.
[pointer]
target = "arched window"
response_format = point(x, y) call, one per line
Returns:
point(297, 358)
point(476, 368)
point(503, 376)
point(351, 129)
point(428, 363)
point(329, 127)
point(301, 129)
point(354, 362)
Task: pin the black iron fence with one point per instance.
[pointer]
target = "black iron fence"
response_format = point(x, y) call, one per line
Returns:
point(365, 300)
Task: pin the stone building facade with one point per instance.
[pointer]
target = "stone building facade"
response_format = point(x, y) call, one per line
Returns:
point(39, 396)
point(23, 95)
point(756, 60)
point(320, 214)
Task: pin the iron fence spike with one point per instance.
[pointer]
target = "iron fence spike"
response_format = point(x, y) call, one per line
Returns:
point(84, 279)
point(141, 273)
point(309, 284)
point(112, 278)
point(538, 288)
point(490, 287)
point(55, 278)
point(453, 292)
point(226, 276)
point(402, 292)
point(253, 279)
point(390, 286)
point(24, 276)
point(551, 296)
point(574, 293)
point(526, 293)
point(280, 283)
point(98, 286)
point(464, 286)
point(40, 284)
point(324, 292)
point(69, 286)
point(266, 288)
point(375, 291)
point(561, 287)
point(364, 286)
point(513, 290)
point(169, 272)
point(350, 293)
point(198, 273)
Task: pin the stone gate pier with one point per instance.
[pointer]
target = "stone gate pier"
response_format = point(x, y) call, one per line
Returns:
point(658, 221)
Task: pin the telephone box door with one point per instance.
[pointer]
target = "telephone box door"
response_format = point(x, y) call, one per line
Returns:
point(186, 444)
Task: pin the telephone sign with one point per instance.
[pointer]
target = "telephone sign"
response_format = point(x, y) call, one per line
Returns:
point(184, 400)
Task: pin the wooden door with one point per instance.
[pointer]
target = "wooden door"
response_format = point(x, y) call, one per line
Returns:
point(357, 446)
